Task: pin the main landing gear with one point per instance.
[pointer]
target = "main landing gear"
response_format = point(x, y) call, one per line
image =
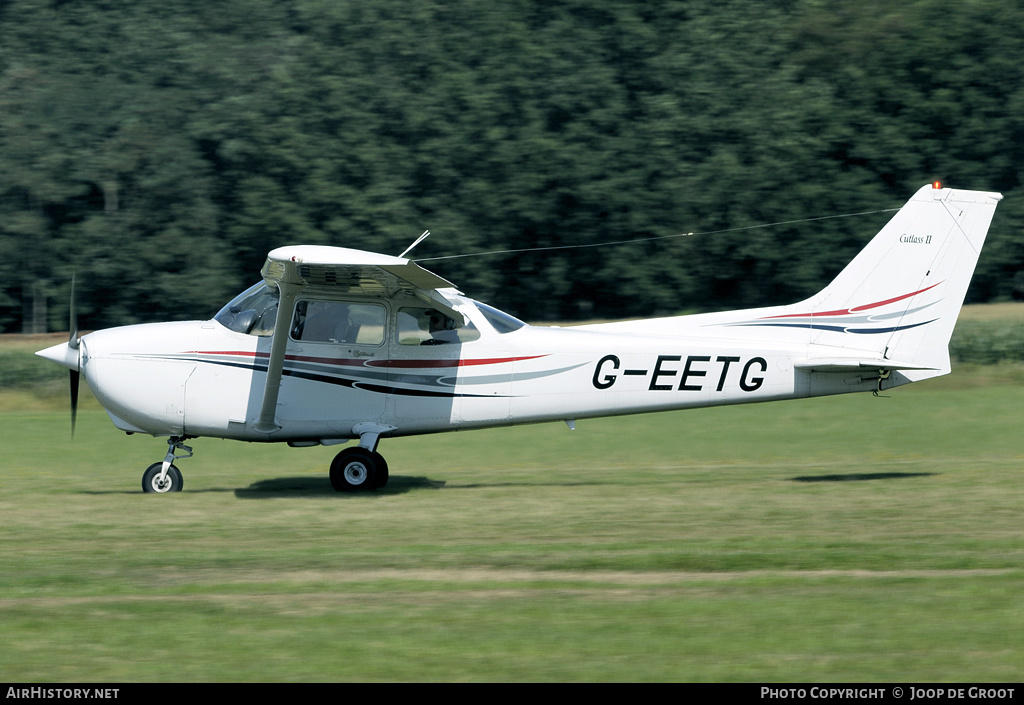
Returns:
point(361, 467)
point(358, 468)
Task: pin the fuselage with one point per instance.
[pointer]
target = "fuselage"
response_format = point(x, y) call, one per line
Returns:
point(202, 378)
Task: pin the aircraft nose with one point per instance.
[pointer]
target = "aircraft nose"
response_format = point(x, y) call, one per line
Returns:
point(138, 373)
point(62, 354)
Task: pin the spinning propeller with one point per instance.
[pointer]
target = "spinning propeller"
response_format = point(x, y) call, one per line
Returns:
point(74, 343)
point(70, 356)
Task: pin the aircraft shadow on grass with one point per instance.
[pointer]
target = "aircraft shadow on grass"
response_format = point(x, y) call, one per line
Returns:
point(398, 484)
point(321, 487)
point(861, 476)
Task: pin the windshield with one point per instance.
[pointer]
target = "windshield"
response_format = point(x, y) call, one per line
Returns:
point(499, 320)
point(252, 312)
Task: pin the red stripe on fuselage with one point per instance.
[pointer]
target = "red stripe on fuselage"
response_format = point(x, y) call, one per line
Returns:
point(361, 362)
point(402, 364)
point(855, 309)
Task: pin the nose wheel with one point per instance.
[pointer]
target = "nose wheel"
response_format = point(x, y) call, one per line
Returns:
point(165, 476)
point(155, 480)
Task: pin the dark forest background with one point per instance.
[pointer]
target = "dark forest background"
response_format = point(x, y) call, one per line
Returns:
point(161, 149)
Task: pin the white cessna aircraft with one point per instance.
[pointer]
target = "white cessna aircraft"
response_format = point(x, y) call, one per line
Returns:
point(337, 344)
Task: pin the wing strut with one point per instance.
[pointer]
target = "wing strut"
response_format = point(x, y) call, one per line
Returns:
point(267, 422)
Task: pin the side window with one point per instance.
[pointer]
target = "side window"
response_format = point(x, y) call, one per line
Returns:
point(428, 326)
point(338, 322)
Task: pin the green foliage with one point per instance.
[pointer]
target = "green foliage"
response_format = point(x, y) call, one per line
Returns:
point(987, 342)
point(162, 150)
point(23, 370)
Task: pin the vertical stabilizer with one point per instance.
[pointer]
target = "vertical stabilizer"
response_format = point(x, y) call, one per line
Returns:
point(899, 299)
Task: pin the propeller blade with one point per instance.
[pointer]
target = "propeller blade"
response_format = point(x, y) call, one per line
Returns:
point(75, 375)
point(70, 356)
point(73, 318)
point(73, 343)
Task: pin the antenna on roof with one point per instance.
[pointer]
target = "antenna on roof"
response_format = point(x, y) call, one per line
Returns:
point(420, 239)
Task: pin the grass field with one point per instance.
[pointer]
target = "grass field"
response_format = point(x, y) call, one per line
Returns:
point(840, 539)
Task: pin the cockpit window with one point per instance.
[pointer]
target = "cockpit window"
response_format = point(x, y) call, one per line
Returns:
point(499, 320)
point(253, 312)
point(338, 322)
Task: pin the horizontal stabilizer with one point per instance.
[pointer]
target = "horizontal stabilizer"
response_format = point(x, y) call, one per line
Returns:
point(833, 364)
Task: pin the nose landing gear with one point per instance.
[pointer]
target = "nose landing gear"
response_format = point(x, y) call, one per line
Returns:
point(164, 476)
point(156, 480)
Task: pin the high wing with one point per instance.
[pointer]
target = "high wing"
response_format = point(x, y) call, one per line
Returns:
point(294, 268)
point(351, 271)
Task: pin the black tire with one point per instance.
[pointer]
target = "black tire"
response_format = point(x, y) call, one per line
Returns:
point(382, 475)
point(354, 469)
point(150, 479)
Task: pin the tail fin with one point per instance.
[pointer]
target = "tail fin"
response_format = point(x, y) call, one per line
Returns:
point(899, 299)
point(892, 308)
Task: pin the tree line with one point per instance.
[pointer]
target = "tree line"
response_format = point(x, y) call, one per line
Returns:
point(160, 150)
